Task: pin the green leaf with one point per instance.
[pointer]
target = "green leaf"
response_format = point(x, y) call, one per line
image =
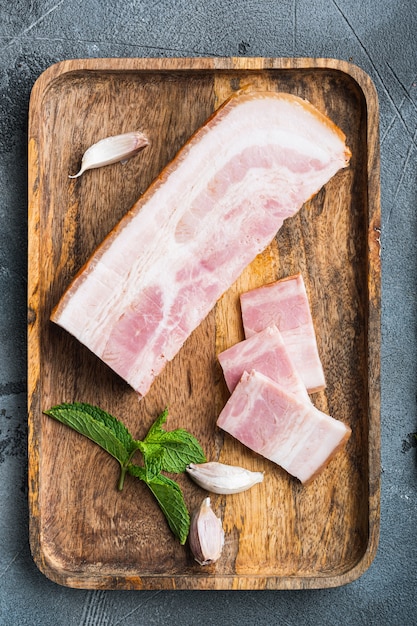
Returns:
point(179, 446)
point(171, 502)
point(153, 456)
point(181, 449)
point(137, 471)
point(101, 427)
point(170, 499)
point(156, 427)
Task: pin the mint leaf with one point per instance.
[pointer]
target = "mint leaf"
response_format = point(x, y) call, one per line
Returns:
point(181, 449)
point(99, 426)
point(153, 456)
point(170, 499)
point(115, 425)
point(156, 427)
point(179, 446)
point(171, 502)
point(137, 471)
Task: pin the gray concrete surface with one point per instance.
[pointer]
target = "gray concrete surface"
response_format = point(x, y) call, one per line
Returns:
point(378, 35)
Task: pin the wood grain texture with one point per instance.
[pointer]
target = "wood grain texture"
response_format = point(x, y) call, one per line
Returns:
point(279, 535)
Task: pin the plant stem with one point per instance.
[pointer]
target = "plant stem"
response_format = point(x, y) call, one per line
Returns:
point(123, 469)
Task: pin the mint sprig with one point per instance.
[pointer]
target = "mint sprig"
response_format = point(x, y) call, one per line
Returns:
point(169, 451)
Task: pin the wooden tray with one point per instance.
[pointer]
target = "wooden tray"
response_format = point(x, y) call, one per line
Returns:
point(279, 535)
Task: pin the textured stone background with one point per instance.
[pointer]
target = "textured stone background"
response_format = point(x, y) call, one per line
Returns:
point(380, 37)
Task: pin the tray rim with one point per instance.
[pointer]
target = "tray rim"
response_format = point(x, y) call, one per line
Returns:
point(198, 64)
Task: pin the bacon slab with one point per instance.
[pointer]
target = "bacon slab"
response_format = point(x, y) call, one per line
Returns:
point(285, 304)
point(217, 205)
point(266, 353)
point(281, 427)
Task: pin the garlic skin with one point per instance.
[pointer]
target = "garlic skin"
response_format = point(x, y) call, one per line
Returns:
point(111, 150)
point(206, 536)
point(223, 479)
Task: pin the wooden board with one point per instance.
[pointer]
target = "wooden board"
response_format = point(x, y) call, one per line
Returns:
point(279, 535)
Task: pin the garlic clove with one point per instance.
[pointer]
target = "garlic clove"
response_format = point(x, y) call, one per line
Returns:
point(223, 479)
point(206, 536)
point(111, 150)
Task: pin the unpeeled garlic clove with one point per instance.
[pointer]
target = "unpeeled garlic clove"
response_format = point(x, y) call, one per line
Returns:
point(206, 536)
point(222, 478)
point(111, 150)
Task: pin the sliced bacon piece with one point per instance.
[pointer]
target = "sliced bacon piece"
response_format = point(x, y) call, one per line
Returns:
point(285, 304)
point(284, 429)
point(265, 352)
point(211, 211)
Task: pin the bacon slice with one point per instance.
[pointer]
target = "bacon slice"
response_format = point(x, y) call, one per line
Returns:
point(279, 426)
point(285, 304)
point(211, 211)
point(266, 353)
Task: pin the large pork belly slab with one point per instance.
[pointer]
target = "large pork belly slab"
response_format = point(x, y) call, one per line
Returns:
point(281, 427)
point(284, 303)
point(264, 352)
point(217, 205)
